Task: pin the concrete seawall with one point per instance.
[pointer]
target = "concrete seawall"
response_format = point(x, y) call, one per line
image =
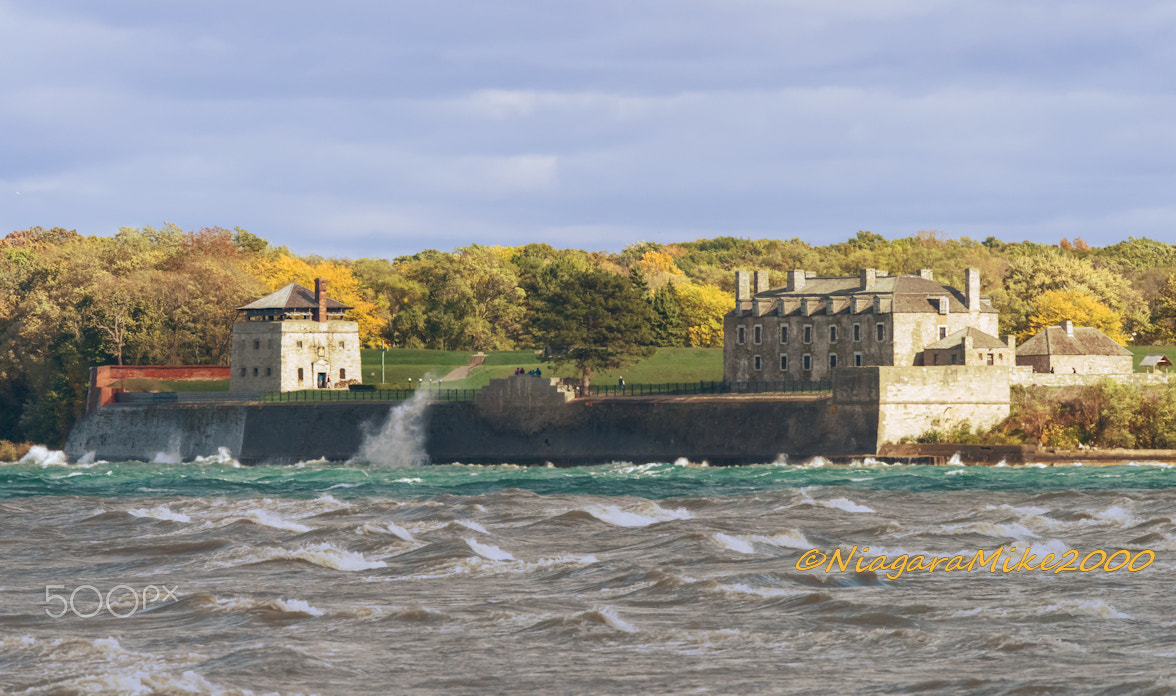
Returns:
point(528, 420)
point(718, 430)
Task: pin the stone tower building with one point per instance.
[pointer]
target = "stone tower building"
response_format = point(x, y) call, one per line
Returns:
point(812, 325)
point(294, 339)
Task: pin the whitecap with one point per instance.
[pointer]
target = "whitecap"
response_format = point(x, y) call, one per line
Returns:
point(472, 526)
point(645, 515)
point(223, 456)
point(160, 512)
point(488, 551)
point(732, 543)
point(271, 519)
point(844, 504)
point(609, 616)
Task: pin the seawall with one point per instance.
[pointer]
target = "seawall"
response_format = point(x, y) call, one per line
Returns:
point(717, 430)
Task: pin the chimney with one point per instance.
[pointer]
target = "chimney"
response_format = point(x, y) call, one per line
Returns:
point(1011, 341)
point(742, 289)
point(761, 282)
point(796, 280)
point(1069, 327)
point(868, 275)
point(320, 299)
point(926, 274)
point(972, 289)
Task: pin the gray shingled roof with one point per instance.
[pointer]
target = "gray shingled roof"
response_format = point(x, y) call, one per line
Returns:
point(979, 340)
point(293, 296)
point(1087, 340)
point(1155, 360)
point(908, 293)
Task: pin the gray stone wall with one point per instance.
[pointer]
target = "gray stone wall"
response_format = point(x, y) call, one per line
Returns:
point(1078, 364)
point(739, 359)
point(1027, 378)
point(268, 354)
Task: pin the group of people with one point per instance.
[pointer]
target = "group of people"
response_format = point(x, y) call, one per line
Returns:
point(536, 372)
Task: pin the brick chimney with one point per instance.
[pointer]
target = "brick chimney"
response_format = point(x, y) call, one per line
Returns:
point(926, 274)
point(868, 277)
point(796, 280)
point(320, 299)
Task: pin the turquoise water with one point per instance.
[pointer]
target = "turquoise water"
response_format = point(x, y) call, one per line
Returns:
point(652, 481)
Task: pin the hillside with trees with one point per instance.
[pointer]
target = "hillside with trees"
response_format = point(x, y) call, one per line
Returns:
point(168, 296)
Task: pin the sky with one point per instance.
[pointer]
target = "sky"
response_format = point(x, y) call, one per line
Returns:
point(380, 128)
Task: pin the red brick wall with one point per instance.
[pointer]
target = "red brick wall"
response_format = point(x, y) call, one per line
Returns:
point(102, 394)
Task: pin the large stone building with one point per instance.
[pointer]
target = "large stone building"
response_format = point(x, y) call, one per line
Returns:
point(803, 330)
point(1069, 349)
point(294, 339)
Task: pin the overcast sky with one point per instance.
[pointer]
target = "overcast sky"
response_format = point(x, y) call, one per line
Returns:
point(383, 127)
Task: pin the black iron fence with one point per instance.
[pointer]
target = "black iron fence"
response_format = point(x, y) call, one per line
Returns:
point(318, 395)
point(687, 388)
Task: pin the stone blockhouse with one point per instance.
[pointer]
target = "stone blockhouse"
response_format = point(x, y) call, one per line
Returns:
point(294, 339)
point(971, 347)
point(812, 325)
point(1069, 349)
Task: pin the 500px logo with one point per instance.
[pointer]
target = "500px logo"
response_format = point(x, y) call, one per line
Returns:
point(121, 593)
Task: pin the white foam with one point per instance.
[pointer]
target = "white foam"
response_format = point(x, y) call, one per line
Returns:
point(472, 526)
point(645, 514)
point(766, 592)
point(488, 551)
point(732, 543)
point(223, 456)
point(166, 458)
point(789, 539)
point(272, 519)
point(160, 512)
point(844, 504)
point(955, 460)
point(44, 457)
point(609, 616)
point(1086, 607)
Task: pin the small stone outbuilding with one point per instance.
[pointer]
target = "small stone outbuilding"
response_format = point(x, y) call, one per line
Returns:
point(1069, 349)
point(294, 339)
point(971, 347)
point(1155, 362)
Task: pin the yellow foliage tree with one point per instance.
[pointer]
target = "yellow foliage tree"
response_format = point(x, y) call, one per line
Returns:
point(280, 270)
point(703, 307)
point(1054, 306)
point(654, 262)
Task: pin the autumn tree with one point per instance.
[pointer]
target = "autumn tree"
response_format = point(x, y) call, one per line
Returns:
point(591, 318)
point(279, 270)
point(703, 307)
point(1055, 306)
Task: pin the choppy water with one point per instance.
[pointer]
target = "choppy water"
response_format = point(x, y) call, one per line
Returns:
point(666, 578)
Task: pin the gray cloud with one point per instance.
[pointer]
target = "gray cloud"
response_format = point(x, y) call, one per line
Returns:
point(380, 128)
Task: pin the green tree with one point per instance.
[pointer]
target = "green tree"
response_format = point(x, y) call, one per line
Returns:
point(668, 328)
point(592, 319)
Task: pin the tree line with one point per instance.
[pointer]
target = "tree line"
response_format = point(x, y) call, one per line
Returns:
point(168, 297)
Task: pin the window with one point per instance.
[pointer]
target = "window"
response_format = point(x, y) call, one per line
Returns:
point(808, 333)
point(255, 372)
point(832, 360)
point(979, 356)
point(783, 363)
point(757, 334)
point(300, 374)
point(242, 372)
point(342, 344)
point(783, 334)
point(740, 336)
point(936, 360)
point(299, 344)
point(268, 371)
point(857, 359)
point(342, 373)
point(757, 362)
point(832, 334)
point(881, 331)
point(942, 332)
point(857, 333)
point(256, 344)
point(806, 362)
point(990, 359)
point(954, 359)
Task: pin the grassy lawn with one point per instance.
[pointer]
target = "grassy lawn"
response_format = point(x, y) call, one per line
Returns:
point(1141, 351)
point(402, 363)
point(667, 365)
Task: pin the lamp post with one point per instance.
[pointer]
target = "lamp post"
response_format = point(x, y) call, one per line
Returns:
point(383, 349)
